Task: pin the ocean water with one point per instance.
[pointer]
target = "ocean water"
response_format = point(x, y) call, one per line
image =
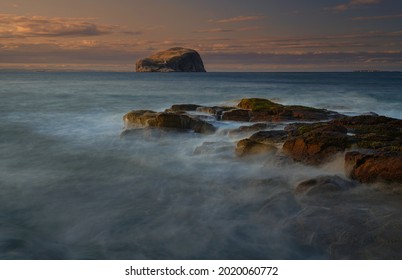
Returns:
point(72, 188)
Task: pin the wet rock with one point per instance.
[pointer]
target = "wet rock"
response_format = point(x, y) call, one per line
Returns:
point(262, 142)
point(299, 129)
point(184, 107)
point(215, 111)
point(270, 137)
point(238, 115)
point(310, 113)
point(374, 132)
point(316, 143)
point(138, 118)
point(200, 126)
point(248, 128)
point(144, 118)
point(324, 185)
point(266, 110)
point(258, 104)
point(172, 60)
point(247, 147)
point(374, 167)
point(208, 110)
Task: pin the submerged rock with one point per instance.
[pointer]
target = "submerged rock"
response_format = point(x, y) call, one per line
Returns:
point(214, 148)
point(172, 60)
point(323, 185)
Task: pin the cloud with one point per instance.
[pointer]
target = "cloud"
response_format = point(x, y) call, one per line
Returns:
point(378, 17)
point(237, 19)
point(354, 3)
point(297, 61)
point(13, 26)
point(214, 30)
point(222, 30)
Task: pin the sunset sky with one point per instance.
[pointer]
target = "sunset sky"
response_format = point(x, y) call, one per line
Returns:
point(251, 35)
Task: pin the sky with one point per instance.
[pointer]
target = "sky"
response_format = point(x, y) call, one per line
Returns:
point(251, 35)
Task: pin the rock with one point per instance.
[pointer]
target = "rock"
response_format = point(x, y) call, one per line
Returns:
point(215, 111)
point(200, 126)
point(183, 107)
point(262, 142)
point(316, 143)
point(238, 115)
point(248, 128)
point(172, 60)
point(145, 118)
point(258, 104)
point(138, 118)
point(247, 147)
point(323, 185)
point(374, 167)
point(171, 120)
point(270, 137)
point(208, 110)
point(374, 132)
point(266, 110)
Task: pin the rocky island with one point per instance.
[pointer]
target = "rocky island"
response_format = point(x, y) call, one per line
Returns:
point(172, 60)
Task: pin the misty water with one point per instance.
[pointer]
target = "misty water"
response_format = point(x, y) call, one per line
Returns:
point(72, 188)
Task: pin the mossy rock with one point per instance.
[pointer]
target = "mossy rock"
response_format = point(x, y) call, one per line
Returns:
point(247, 147)
point(258, 104)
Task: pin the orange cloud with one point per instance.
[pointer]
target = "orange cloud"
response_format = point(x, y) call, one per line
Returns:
point(13, 26)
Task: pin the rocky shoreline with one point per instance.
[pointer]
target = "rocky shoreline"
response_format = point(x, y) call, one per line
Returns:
point(354, 215)
point(371, 144)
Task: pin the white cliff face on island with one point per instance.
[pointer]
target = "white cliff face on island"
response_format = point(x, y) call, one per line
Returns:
point(172, 60)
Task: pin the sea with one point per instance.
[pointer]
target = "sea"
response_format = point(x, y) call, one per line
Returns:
point(72, 187)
